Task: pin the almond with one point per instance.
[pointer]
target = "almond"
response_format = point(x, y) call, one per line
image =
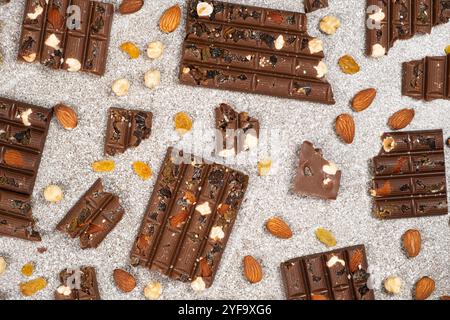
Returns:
point(424, 288)
point(363, 99)
point(124, 281)
point(278, 228)
point(178, 219)
point(55, 18)
point(356, 261)
point(252, 269)
point(13, 158)
point(66, 116)
point(170, 20)
point(205, 268)
point(412, 242)
point(401, 119)
point(319, 297)
point(275, 17)
point(345, 128)
point(130, 6)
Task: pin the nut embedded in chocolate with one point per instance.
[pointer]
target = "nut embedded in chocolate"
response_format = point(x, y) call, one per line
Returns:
point(78, 284)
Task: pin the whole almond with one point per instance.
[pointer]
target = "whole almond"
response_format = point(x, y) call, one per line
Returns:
point(66, 116)
point(356, 261)
point(278, 228)
point(412, 242)
point(424, 288)
point(170, 20)
point(252, 269)
point(130, 6)
point(401, 119)
point(13, 158)
point(55, 18)
point(345, 127)
point(124, 281)
point(363, 99)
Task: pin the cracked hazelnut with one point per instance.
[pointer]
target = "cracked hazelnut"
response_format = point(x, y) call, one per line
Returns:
point(217, 233)
point(198, 284)
point(321, 69)
point(204, 9)
point(73, 65)
point(315, 46)
point(279, 42)
point(153, 290)
point(330, 169)
point(388, 144)
point(393, 284)
point(120, 87)
point(30, 57)
point(53, 193)
point(24, 116)
point(204, 208)
point(155, 49)
point(152, 79)
point(53, 42)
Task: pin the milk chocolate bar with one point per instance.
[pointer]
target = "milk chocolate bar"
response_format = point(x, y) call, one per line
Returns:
point(125, 129)
point(189, 219)
point(256, 50)
point(340, 274)
point(53, 35)
point(392, 20)
point(409, 175)
point(93, 217)
point(427, 79)
point(23, 131)
point(78, 284)
point(313, 5)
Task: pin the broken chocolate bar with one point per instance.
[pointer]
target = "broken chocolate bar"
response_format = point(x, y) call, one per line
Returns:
point(236, 132)
point(316, 176)
point(93, 217)
point(78, 284)
point(313, 5)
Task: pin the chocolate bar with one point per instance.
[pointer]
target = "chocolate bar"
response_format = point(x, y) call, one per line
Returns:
point(316, 176)
point(126, 129)
point(427, 79)
point(252, 49)
point(78, 284)
point(340, 274)
point(93, 217)
point(236, 132)
point(54, 35)
point(189, 219)
point(409, 175)
point(23, 131)
point(392, 20)
point(313, 5)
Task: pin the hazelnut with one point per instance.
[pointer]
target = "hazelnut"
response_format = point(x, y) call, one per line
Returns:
point(53, 42)
point(153, 290)
point(204, 9)
point(393, 284)
point(388, 144)
point(152, 79)
point(279, 42)
point(315, 45)
point(64, 290)
point(24, 116)
point(53, 193)
point(120, 87)
point(186, 70)
point(2, 265)
point(198, 284)
point(29, 57)
point(38, 10)
point(330, 169)
point(321, 69)
point(204, 208)
point(329, 25)
point(378, 50)
point(378, 16)
point(155, 49)
point(73, 65)
point(217, 233)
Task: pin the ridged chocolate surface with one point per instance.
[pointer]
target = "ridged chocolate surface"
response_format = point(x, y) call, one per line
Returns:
point(82, 283)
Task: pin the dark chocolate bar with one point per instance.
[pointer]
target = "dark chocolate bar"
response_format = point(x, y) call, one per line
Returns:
point(78, 284)
point(93, 217)
point(23, 131)
point(236, 132)
point(392, 20)
point(409, 175)
point(427, 79)
point(252, 49)
point(52, 34)
point(316, 176)
point(126, 129)
point(189, 218)
point(340, 274)
point(313, 5)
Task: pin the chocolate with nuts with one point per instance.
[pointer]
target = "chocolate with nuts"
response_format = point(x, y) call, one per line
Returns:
point(78, 284)
point(313, 5)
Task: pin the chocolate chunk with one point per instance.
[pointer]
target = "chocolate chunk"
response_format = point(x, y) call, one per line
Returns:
point(313, 5)
point(78, 284)
point(316, 176)
point(409, 175)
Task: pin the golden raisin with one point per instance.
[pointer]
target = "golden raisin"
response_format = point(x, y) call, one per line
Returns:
point(28, 269)
point(182, 123)
point(264, 167)
point(103, 166)
point(131, 49)
point(142, 170)
point(348, 65)
point(32, 287)
point(447, 49)
point(326, 237)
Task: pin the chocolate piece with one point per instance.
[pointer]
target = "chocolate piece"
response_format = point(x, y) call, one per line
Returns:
point(340, 274)
point(78, 284)
point(427, 79)
point(316, 176)
point(313, 5)
point(189, 218)
point(52, 34)
point(23, 131)
point(93, 217)
point(126, 128)
point(389, 21)
point(236, 132)
point(409, 175)
point(252, 49)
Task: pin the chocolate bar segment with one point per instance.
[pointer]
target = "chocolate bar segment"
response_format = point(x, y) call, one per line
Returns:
point(78, 284)
point(313, 5)
point(340, 274)
point(252, 49)
point(23, 131)
point(93, 217)
point(189, 218)
point(126, 129)
point(409, 175)
point(67, 34)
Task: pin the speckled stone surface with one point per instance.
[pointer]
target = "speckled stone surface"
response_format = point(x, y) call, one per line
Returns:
point(68, 155)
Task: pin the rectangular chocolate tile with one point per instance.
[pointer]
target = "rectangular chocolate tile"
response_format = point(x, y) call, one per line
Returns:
point(78, 284)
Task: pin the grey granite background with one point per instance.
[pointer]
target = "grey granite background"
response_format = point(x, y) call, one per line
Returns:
point(68, 155)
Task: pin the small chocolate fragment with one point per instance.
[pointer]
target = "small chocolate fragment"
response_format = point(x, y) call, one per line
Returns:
point(340, 274)
point(78, 284)
point(409, 175)
point(316, 176)
point(313, 5)
point(189, 218)
point(236, 132)
point(126, 129)
point(93, 217)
